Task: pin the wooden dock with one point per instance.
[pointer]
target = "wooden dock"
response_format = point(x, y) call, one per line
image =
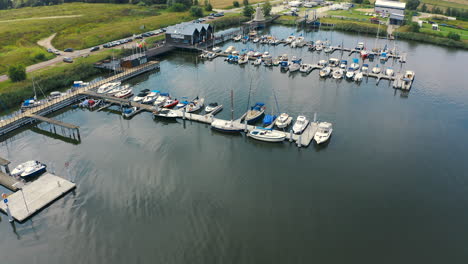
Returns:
point(36, 195)
point(52, 121)
point(8, 182)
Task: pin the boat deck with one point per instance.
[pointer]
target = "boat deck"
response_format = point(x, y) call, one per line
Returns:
point(36, 195)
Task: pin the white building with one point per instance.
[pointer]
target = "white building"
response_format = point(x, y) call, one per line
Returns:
point(389, 7)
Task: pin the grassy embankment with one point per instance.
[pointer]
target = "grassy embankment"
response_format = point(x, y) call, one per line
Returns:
point(444, 4)
point(52, 78)
point(78, 25)
point(227, 4)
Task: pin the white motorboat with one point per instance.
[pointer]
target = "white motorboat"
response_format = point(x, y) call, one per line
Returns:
point(300, 124)
point(343, 64)
point(257, 54)
point(161, 99)
point(389, 72)
point(365, 67)
point(151, 97)
point(305, 68)
point(216, 49)
point(212, 55)
point(139, 97)
point(300, 42)
point(237, 38)
point(256, 40)
point(354, 66)
point(195, 105)
point(267, 135)
point(283, 120)
point(322, 63)
point(129, 111)
point(338, 74)
point(290, 39)
point(226, 126)
point(325, 72)
point(124, 93)
point(360, 46)
point(107, 87)
point(293, 44)
point(323, 133)
point(90, 103)
point(409, 75)
point(211, 107)
point(333, 62)
point(294, 66)
point(376, 69)
point(266, 55)
point(230, 49)
point(166, 113)
point(55, 95)
point(29, 169)
point(284, 57)
point(349, 73)
point(257, 62)
point(358, 77)
point(328, 49)
point(118, 89)
point(243, 59)
point(268, 61)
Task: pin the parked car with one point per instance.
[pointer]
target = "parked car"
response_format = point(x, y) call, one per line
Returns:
point(57, 52)
point(68, 50)
point(129, 40)
point(94, 49)
point(50, 50)
point(106, 45)
point(145, 35)
point(68, 59)
point(138, 37)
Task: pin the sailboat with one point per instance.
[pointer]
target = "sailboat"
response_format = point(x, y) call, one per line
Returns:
point(255, 112)
point(225, 125)
point(32, 102)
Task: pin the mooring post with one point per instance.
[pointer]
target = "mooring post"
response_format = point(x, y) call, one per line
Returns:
point(78, 132)
point(183, 114)
point(290, 135)
point(55, 131)
point(315, 117)
point(245, 129)
point(10, 217)
point(299, 144)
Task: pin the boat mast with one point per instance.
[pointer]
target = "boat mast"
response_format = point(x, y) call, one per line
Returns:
point(232, 105)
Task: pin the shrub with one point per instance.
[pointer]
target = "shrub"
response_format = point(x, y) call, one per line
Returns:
point(414, 27)
point(248, 11)
point(17, 73)
point(235, 4)
point(178, 7)
point(208, 7)
point(453, 35)
point(266, 8)
point(245, 2)
point(196, 11)
point(412, 4)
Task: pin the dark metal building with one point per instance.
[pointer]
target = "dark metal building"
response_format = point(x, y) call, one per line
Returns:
point(188, 34)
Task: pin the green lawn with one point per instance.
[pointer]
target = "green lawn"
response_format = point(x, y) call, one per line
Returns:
point(427, 28)
point(442, 3)
point(348, 13)
point(93, 24)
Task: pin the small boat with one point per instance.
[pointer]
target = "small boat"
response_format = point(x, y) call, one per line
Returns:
point(389, 72)
point(212, 55)
point(118, 89)
point(267, 135)
point(343, 64)
point(323, 133)
point(276, 62)
point(124, 93)
point(257, 62)
point(107, 87)
point(358, 77)
point(284, 57)
point(29, 169)
point(225, 126)
point(365, 67)
point(407, 80)
point(290, 39)
point(216, 49)
point(354, 66)
point(162, 98)
point(284, 66)
point(266, 55)
point(89, 103)
point(30, 103)
point(166, 113)
point(250, 53)
point(230, 49)
point(409, 75)
point(328, 49)
point(129, 111)
point(283, 120)
point(55, 95)
point(360, 46)
point(318, 47)
point(182, 104)
point(80, 84)
point(243, 59)
point(300, 42)
point(237, 38)
point(256, 40)
point(349, 73)
point(268, 120)
point(170, 103)
point(295, 64)
point(150, 97)
point(325, 72)
point(300, 124)
point(268, 61)
point(195, 105)
point(305, 68)
point(255, 112)
point(338, 74)
point(376, 69)
point(333, 62)
point(210, 107)
point(140, 96)
point(383, 56)
point(322, 63)
point(364, 54)
point(257, 54)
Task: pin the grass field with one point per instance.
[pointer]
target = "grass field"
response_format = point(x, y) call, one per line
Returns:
point(228, 3)
point(443, 31)
point(92, 24)
point(349, 13)
point(446, 3)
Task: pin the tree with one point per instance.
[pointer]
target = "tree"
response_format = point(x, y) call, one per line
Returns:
point(235, 4)
point(195, 2)
point(245, 2)
point(196, 11)
point(248, 11)
point(453, 35)
point(414, 27)
point(266, 8)
point(357, 1)
point(17, 73)
point(423, 8)
point(412, 4)
point(208, 7)
point(178, 7)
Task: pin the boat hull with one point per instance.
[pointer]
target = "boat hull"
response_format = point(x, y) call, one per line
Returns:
point(266, 139)
point(33, 174)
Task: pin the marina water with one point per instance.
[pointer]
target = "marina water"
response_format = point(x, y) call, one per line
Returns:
point(391, 186)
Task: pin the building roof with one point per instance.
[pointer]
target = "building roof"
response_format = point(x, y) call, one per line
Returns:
point(391, 4)
point(397, 16)
point(186, 28)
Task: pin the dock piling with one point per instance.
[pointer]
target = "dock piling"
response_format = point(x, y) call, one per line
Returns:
point(10, 217)
point(290, 135)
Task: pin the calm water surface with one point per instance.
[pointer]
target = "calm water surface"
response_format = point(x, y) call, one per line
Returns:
point(390, 187)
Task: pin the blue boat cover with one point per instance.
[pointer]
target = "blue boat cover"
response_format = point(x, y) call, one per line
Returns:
point(128, 110)
point(355, 60)
point(164, 94)
point(268, 119)
point(367, 65)
point(297, 61)
point(344, 61)
point(284, 64)
point(185, 102)
point(155, 91)
point(384, 54)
